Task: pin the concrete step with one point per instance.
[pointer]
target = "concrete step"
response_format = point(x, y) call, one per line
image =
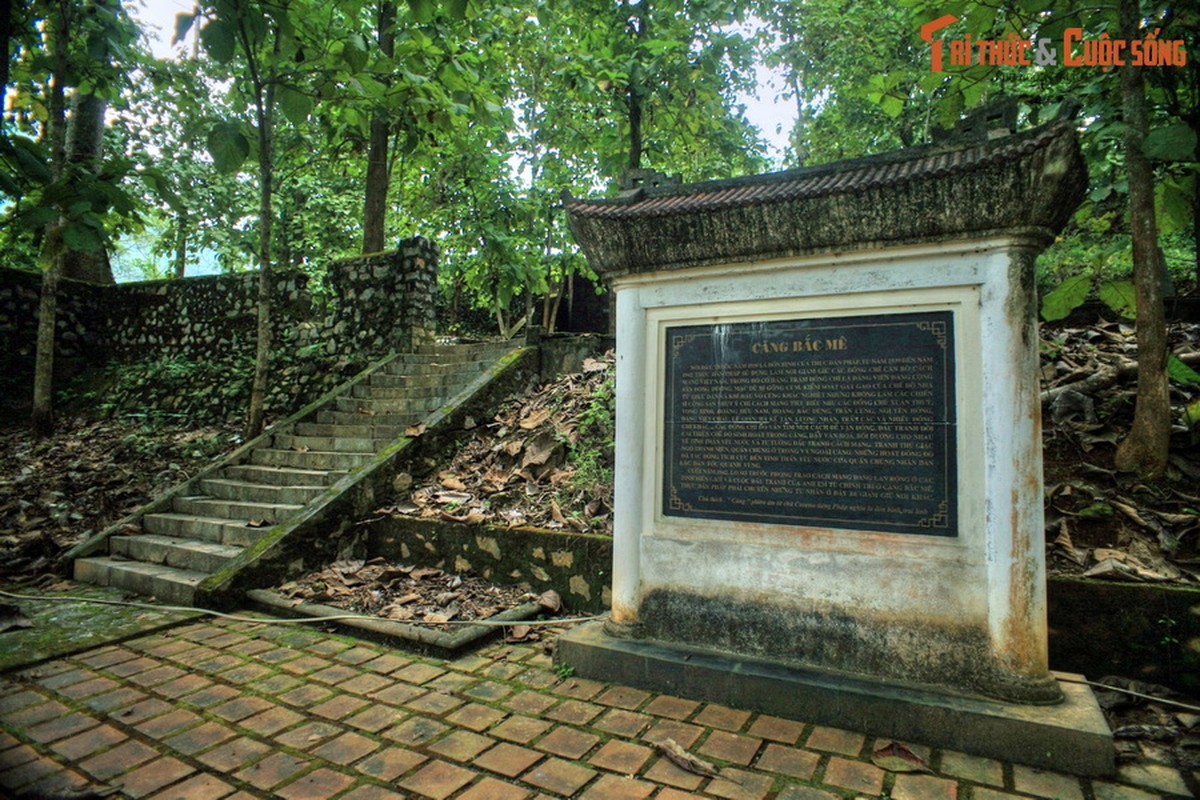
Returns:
point(371, 408)
point(205, 506)
point(209, 529)
point(366, 430)
point(398, 421)
point(227, 489)
point(171, 585)
point(308, 459)
point(386, 380)
point(185, 554)
point(368, 391)
point(336, 444)
point(285, 476)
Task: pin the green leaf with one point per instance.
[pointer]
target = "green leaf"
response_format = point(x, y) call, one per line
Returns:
point(219, 40)
point(422, 10)
point(296, 106)
point(1172, 143)
point(458, 9)
point(1120, 296)
point(80, 236)
point(1069, 296)
point(183, 23)
point(1180, 371)
point(228, 146)
point(355, 53)
point(892, 106)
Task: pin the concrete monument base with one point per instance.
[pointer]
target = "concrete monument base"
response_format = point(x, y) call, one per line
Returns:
point(1071, 736)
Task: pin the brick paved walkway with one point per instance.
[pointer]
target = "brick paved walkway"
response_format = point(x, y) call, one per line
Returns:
point(239, 710)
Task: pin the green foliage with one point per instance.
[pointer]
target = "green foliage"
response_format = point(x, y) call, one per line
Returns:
point(592, 453)
point(1069, 296)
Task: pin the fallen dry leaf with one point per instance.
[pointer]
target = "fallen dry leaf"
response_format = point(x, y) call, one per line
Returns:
point(895, 757)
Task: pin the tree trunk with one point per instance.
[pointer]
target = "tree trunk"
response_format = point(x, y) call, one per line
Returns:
point(1145, 449)
point(181, 231)
point(264, 108)
point(85, 149)
point(42, 418)
point(375, 200)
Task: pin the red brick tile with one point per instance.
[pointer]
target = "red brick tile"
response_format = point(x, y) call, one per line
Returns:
point(309, 735)
point(201, 737)
point(386, 664)
point(346, 749)
point(568, 742)
point(88, 743)
point(338, 706)
point(856, 776)
point(476, 717)
point(777, 730)
point(106, 657)
point(376, 718)
point(418, 673)
point(973, 768)
point(731, 747)
point(119, 698)
point(1042, 783)
point(416, 731)
point(671, 707)
point(168, 724)
point(521, 730)
point(235, 754)
point(141, 710)
point(198, 787)
point(62, 780)
point(372, 792)
point(153, 677)
point(271, 721)
point(736, 784)
point(488, 690)
point(211, 696)
point(529, 703)
point(132, 667)
point(306, 695)
point(19, 700)
point(507, 759)
point(681, 733)
point(389, 764)
point(182, 686)
point(365, 683)
point(356, 655)
point(151, 777)
point(801, 792)
point(97, 685)
point(335, 674)
point(36, 714)
point(673, 794)
point(461, 746)
point(66, 678)
point(623, 697)
point(246, 673)
point(575, 712)
point(835, 740)
point(434, 703)
point(663, 771)
point(579, 688)
point(240, 708)
point(272, 770)
point(397, 693)
point(615, 787)
point(437, 779)
point(14, 756)
point(623, 723)
point(319, 784)
point(561, 777)
point(304, 665)
point(727, 719)
point(789, 761)
point(924, 787)
point(29, 772)
point(492, 789)
point(61, 728)
point(124, 756)
point(623, 757)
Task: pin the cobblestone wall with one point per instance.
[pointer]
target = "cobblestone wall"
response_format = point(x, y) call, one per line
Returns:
point(371, 305)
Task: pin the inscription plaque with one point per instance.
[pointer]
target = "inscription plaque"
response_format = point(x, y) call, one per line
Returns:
point(842, 422)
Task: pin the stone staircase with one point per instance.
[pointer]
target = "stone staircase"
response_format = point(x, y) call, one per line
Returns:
point(212, 519)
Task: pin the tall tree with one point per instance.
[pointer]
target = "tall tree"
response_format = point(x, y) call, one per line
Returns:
point(1145, 449)
point(376, 190)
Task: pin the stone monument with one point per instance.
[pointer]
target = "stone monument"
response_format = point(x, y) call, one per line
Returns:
point(828, 454)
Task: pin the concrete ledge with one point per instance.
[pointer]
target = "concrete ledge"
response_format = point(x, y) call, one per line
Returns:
point(1071, 737)
point(415, 637)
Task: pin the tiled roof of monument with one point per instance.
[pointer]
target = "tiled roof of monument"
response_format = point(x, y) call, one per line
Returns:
point(1032, 180)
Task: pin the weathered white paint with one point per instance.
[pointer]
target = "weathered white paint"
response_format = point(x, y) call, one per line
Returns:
point(990, 576)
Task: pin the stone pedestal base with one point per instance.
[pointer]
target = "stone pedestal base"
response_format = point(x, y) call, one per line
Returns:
point(1069, 737)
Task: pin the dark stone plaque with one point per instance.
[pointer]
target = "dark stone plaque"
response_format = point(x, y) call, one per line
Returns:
point(838, 422)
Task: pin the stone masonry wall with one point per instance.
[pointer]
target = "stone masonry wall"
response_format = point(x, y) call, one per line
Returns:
point(373, 305)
